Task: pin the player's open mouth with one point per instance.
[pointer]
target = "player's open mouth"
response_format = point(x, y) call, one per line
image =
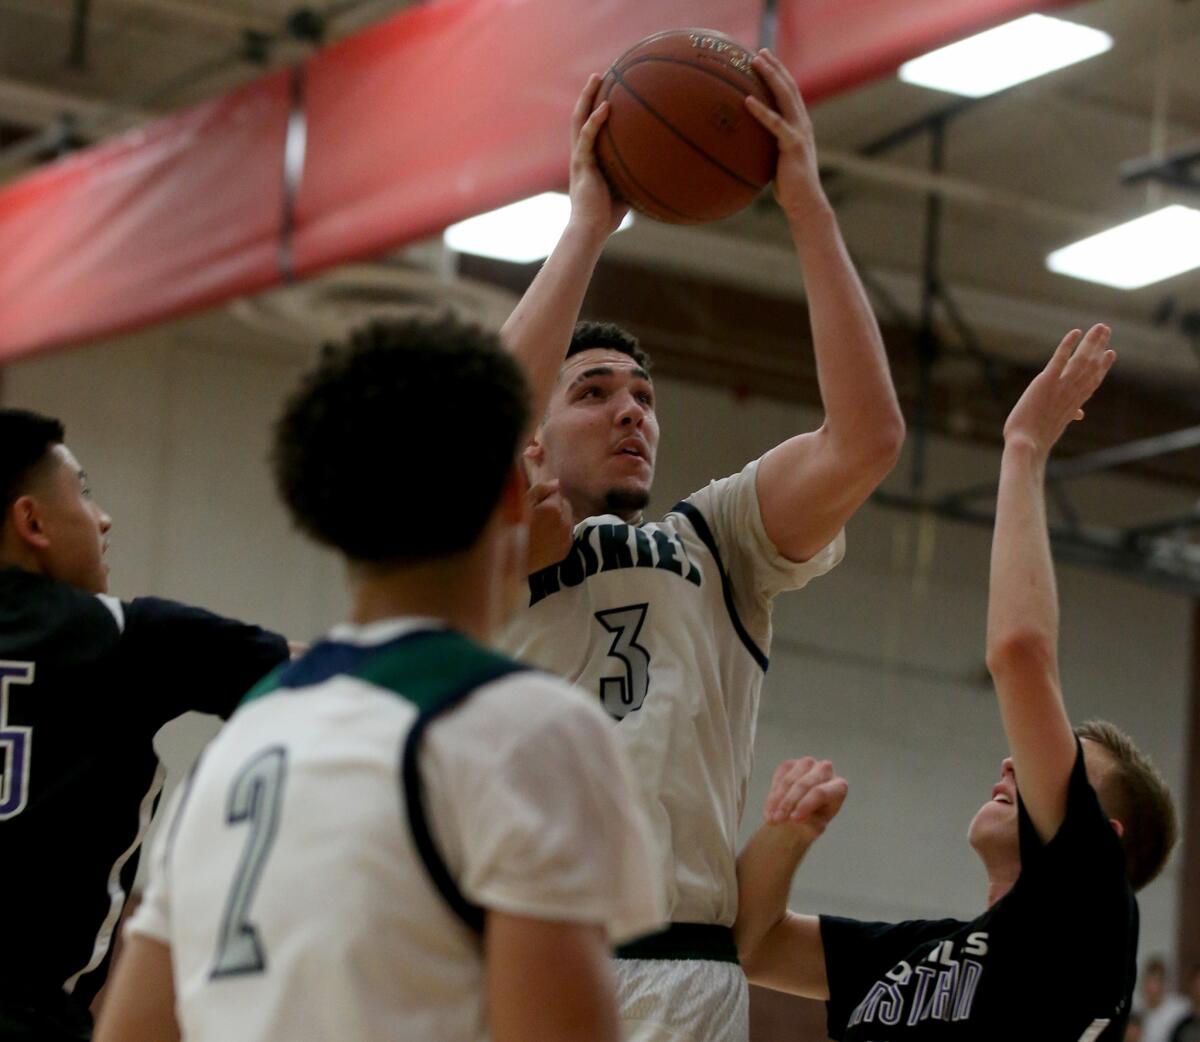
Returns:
point(1000, 795)
point(631, 447)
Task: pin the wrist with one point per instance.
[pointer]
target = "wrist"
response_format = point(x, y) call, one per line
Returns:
point(810, 209)
point(592, 232)
point(1023, 445)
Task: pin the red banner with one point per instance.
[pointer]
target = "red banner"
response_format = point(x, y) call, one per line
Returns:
point(449, 109)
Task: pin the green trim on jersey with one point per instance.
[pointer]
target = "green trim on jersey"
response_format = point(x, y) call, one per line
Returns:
point(422, 667)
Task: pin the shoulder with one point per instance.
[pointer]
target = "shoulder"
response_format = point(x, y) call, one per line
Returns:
point(524, 710)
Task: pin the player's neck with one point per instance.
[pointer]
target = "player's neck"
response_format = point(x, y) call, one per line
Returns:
point(448, 590)
point(1001, 879)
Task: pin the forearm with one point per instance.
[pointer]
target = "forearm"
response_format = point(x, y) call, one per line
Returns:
point(1022, 598)
point(539, 329)
point(765, 869)
point(862, 413)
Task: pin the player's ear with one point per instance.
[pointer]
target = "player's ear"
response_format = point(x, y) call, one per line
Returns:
point(534, 456)
point(1118, 828)
point(26, 517)
point(514, 500)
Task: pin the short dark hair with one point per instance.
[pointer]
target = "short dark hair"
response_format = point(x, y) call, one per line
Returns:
point(25, 440)
point(439, 394)
point(1135, 794)
point(589, 335)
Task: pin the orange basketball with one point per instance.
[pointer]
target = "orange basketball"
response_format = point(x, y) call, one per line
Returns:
point(679, 144)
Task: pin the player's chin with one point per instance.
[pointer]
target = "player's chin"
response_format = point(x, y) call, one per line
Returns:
point(627, 497)
point(991, 820)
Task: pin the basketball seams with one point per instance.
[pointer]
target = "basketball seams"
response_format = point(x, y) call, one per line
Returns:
point(645, 192)
point(738, 86)
point(618, 78)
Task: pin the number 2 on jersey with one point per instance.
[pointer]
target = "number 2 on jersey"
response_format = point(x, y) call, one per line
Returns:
point(255, 796)
point(15, 744)
point(621, 696)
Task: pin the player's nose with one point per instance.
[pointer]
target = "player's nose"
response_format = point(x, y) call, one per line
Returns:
point(1006, 767)
point(629, 410)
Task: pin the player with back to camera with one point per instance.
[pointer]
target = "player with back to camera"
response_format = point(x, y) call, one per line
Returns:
point(667, 624)
point(1078, 821)
point(402, 835)
point(86, 680)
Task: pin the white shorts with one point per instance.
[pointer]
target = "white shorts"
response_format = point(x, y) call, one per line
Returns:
point(682, 1000)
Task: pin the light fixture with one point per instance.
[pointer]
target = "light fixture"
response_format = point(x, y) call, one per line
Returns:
point(1008, 54)
point(521, 232)
point(1136, 253)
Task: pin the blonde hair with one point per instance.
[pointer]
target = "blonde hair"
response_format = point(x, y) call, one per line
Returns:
point(1136, 795)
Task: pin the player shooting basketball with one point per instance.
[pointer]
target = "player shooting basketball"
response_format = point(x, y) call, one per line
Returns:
point(668, 624)
point(1078, 821)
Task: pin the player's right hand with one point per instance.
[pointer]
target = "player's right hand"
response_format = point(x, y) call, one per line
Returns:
point(551, 525)
point(1056, 397)
point(805, 792)
point(592, 201)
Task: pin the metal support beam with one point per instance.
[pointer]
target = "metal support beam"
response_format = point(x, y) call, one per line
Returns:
point(1177, 168)
point(1094, 462)
point(1163, 563)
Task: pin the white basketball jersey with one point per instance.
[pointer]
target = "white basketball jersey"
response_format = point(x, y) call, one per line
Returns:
point(326, 871)
point(668, 626)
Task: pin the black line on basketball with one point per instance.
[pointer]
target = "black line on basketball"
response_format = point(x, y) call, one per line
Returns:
point(646, 193)
point(683, 137)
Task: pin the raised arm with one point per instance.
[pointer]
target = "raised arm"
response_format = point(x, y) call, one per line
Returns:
point(539, 329)
point(1022, 632)
point(780, 949)
point(809, 486)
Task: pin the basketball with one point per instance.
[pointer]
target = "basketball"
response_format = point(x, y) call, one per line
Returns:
point(679, 144)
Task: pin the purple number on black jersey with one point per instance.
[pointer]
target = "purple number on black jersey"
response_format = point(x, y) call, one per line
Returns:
point(15, 744)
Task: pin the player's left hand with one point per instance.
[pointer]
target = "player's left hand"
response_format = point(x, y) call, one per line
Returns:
point(1057, 394)
point(806, 793)
point(797, 178)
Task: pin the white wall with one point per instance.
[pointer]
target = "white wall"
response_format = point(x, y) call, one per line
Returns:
point(878, 666)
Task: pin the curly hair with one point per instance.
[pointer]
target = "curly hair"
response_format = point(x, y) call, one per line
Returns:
point(588, 335)
point(25, 439)
point(394, 449)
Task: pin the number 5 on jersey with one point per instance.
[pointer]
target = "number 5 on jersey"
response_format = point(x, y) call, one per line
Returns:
point(15, 744)
point(625, 694)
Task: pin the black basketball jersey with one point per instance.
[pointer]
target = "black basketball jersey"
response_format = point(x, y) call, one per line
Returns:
point(85, 682)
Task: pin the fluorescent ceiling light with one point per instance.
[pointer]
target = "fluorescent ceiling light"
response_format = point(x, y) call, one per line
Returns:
point(1137, 253)
point(1012, 53)
point(520, 232)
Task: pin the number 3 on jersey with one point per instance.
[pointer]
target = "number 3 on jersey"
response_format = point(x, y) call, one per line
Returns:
point(623, 695)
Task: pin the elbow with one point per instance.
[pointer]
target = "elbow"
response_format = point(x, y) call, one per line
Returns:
point(874, 450)
point(890, 440)
point(1020, 650)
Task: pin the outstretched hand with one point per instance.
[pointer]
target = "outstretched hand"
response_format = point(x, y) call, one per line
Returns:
point(591, 199)
point(1057, 394)
point(797, 177)
point(805, 793)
